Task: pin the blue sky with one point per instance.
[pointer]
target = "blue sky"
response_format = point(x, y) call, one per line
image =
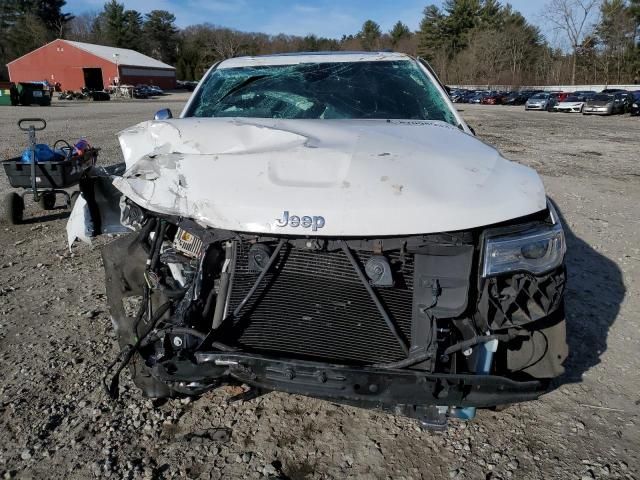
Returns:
point(330, 18)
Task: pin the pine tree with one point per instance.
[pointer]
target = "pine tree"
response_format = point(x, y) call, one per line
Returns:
point(113, 24)
point(399, 32)
point(132, 36)
point(162, 35)
point(370, 35)
point(431, 35)
point(50, 13)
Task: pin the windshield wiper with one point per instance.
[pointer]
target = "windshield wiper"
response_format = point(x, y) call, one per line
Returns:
point(241, 85)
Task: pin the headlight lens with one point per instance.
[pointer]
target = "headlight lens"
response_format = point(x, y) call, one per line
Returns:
point(537, 251)
point(635, 105)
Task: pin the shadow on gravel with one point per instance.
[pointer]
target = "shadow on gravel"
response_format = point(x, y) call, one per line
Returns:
point(47, 218)
point(593, 298)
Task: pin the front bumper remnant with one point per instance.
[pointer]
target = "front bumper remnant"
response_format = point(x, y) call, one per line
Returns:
point(407, 392)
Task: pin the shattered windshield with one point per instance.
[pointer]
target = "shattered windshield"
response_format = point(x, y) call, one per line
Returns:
point(340, 90)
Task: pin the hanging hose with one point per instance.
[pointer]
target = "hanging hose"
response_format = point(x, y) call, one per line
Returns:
point(125, 356)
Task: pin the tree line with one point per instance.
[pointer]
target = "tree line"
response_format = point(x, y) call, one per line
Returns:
point(486, 42)
point(466, 41)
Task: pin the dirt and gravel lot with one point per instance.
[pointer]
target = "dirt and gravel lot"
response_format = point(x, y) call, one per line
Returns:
point(56, 340)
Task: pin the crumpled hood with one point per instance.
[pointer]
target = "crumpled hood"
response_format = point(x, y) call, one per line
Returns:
point(324, 177)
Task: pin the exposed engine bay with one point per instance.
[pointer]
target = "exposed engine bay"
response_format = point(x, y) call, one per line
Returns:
point(406, 324)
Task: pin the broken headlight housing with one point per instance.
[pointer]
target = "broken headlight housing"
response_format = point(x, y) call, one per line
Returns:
point(537, 250)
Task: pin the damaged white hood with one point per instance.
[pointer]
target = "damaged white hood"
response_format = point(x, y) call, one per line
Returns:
point(324, 177)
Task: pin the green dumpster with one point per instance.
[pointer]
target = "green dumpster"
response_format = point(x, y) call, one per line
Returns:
point(5, 97)
point(28, 93)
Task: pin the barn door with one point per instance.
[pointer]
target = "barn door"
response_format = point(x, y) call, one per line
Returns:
point(93, 78)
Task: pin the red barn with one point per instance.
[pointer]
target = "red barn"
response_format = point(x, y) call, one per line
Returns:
point(76, 65)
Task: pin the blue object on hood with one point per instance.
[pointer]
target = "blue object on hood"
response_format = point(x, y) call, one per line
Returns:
point(44, 153)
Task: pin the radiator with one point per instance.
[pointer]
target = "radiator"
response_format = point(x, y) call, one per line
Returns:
point(312, 305)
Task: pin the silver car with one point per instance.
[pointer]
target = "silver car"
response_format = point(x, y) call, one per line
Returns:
point(541, 101)
point(605, 104)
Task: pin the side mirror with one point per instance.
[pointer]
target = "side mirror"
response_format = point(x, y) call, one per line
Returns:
point(164, 114)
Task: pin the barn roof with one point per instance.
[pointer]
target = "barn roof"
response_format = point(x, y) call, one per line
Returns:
point(125, 56)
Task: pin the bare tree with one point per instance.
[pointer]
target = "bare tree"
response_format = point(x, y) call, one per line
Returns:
point(226, 43)
point(81, 28)
point(571, 17)
point(516, 44)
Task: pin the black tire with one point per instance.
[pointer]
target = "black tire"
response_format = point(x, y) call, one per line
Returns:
point(47, 201)
point(12, 209)
point(74, 198)
point(500, 408)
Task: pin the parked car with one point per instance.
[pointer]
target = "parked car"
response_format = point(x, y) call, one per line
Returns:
point(257, 257)
point(457, 96)
point(627, 100)
point(635, 105)
point(186, 84)
point(584, 93)
point(493, 98)
point(515, 98)
point(605, 104)
point(573, 103)
point(466, 97)
point(149, 90)
point(154, 90)
point(560, 96)
point(477, 98)
point(541, 101)
point(140, 92)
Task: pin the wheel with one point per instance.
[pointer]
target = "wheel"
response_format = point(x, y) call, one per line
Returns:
point(12, 209)
point(500, 408)
point(47, 200)
point(74, 197)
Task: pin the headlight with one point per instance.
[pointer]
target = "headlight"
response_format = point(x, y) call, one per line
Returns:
point(635, 105)
point(538, 250)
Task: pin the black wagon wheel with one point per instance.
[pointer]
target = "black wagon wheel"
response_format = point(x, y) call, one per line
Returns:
point(47, 200)
point(73, 199)
point(12, 209)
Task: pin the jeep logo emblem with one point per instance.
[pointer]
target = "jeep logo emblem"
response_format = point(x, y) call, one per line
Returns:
point(295, 221)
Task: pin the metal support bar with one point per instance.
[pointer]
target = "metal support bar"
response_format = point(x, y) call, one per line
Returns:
point(32, 143)
point(249, 294)
point(374, 297)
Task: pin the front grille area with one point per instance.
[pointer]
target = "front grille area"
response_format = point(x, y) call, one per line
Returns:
point(313, 305)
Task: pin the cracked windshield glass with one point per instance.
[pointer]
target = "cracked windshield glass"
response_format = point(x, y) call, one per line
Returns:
point(359, 90)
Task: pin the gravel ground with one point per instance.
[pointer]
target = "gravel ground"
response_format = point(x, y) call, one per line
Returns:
point(56, 339)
